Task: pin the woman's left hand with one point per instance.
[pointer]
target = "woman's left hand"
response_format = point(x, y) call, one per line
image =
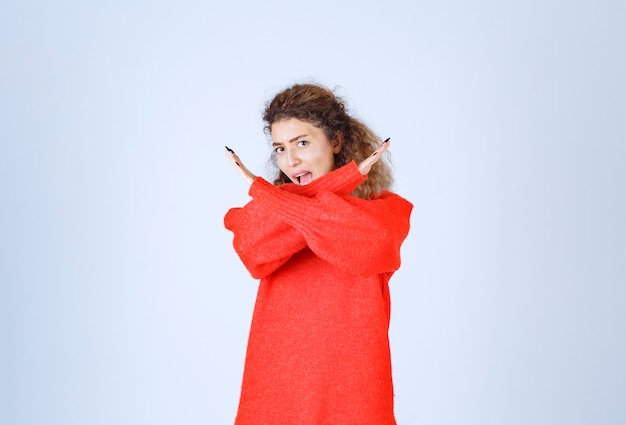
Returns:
point(243, 171)
point(366, 165)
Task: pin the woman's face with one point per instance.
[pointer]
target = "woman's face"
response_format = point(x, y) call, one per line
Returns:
point(302, 150)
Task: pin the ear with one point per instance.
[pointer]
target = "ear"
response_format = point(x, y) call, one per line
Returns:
point(337, 142)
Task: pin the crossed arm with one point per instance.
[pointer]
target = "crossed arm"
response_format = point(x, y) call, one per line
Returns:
point(357, 235)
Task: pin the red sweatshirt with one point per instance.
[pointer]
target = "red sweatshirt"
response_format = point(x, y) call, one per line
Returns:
point(318, 350)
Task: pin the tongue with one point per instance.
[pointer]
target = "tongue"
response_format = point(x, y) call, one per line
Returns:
point(306, 178)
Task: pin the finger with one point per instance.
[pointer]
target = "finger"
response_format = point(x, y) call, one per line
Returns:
point(241, 169)
point(368, 162)
point(383, 147)
point(378, 152)
point(233, 156)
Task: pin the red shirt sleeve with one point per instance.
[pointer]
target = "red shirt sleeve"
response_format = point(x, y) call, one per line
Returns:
point(263, 243)
point(360, 236)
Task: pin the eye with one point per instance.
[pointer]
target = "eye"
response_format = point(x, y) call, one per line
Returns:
point(279, 149)
point(303, 143)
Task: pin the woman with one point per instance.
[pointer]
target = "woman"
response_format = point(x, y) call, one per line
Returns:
point(324, 239)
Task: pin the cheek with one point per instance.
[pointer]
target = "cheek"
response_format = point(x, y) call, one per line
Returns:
point(329, 162)
point(280, 161)
point(323, 158)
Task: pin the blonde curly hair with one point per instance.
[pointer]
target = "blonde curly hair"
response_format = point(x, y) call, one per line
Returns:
point(320, 107)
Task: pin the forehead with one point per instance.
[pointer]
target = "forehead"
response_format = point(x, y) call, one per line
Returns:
point(285, 131)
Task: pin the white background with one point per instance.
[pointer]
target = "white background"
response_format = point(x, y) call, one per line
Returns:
point(122, 300)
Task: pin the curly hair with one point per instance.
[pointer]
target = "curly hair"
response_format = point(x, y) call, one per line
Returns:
point(320, 107)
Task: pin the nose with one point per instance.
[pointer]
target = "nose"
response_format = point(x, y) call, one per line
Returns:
point(292, 157)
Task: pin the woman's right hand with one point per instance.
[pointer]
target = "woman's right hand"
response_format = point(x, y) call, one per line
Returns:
point(366, 165)
point(241, 169)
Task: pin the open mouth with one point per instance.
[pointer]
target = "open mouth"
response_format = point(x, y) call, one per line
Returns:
point(304, 178)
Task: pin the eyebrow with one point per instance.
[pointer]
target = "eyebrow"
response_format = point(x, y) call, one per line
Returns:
point(291, 140)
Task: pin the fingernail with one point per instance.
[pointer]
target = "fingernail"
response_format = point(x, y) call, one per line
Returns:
point(388, 138)
point(229, 149)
